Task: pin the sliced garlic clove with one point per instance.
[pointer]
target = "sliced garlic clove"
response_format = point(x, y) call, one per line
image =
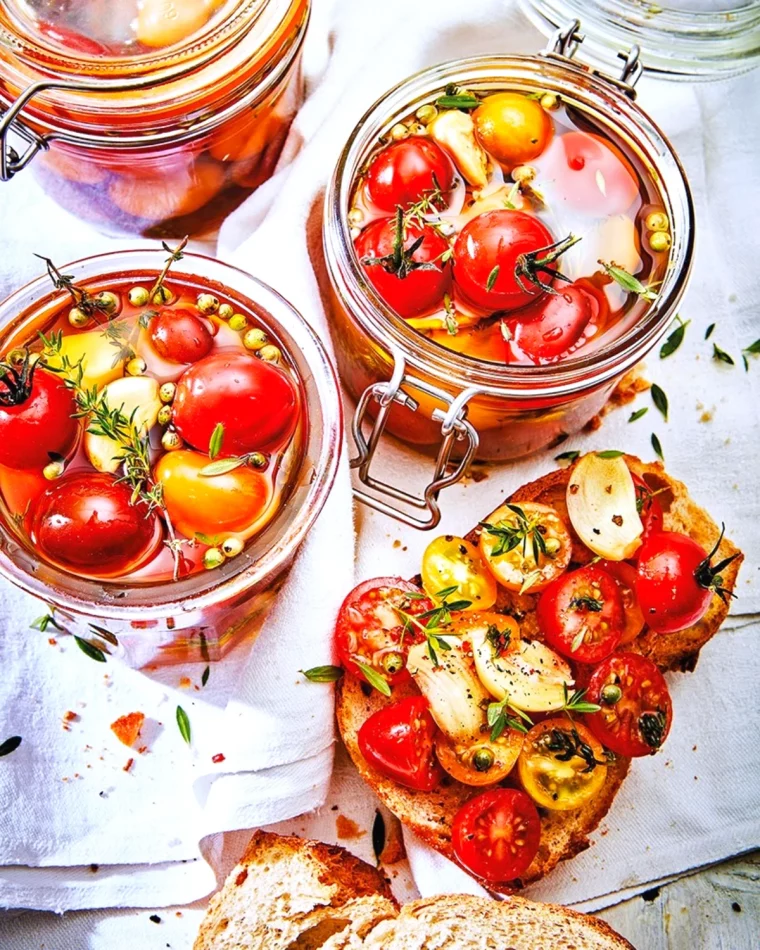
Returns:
point(533, 677)
point(458, 700)
point(455, 131)
point(601, 504)
point(131, 394)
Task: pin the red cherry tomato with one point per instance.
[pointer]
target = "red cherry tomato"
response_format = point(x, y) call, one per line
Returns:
point(257, 403)
point(180, 336)
point(625, 575)
point(369, 630)
point(636, 709)
point(398, 741)
point(407, 291)
point(542, 333)
point(496, 835)
point(581, 614)
point(86, 524)
point(485, 258)
point(406, 171)
point(650, 510)
point(594, 179)
point(70, 39)
point(35, 419)
point(675, 582)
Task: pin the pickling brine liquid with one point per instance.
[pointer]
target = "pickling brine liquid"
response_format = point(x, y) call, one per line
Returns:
point(144, 440)
point(530, 234)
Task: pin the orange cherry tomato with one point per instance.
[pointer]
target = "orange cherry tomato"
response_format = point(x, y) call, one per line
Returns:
point(155, 196)
point(218, 504)
point(243, 137)
point(512, 128)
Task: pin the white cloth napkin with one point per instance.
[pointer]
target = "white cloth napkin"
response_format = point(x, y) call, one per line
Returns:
point(355, 54)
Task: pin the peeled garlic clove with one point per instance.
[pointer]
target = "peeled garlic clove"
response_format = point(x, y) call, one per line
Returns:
point(131, 394)
point(533, 676)
point(457, 698)
point(601, 504)
point(455, 131)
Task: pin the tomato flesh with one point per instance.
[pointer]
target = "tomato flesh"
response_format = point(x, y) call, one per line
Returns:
point(541, 334)
point(257, 403)
point(180, 336)
point(369, 631)
point(406, 171)
point(637, 723)
point(625, 575)
point(650, 509)
point(398, 741)
point(40, 427)
point(421, 290)
point(581, 614)
point(86, 524)
point(671, 598)
point(485, 258)
point(496, 834)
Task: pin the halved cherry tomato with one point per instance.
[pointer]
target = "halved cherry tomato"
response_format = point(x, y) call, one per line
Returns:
point(675, 581)
point(486, 257)
point(525, 545)
point(36, 421)
point(219, 504)
point(398, 741)
point(636, 709)
point(406, 171)
point(581, 614)
point(86, 523)
point(496, 834)
point(406, 288)
point(369, 629)
point(562, 765)
point(257, 403)
point(180, 336)
point(449, 562)
point(650, 510)
point(482, 762)
point(595, 179)
point(543, 332)
point(512, 128)
point(625, 575)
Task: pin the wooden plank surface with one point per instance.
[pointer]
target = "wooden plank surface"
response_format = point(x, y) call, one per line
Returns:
point(714, 909)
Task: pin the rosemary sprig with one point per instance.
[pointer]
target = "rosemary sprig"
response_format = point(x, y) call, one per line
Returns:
point(174, 255)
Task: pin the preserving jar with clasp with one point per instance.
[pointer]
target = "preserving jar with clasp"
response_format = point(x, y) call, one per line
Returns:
point(155, 118)
point(453, 405)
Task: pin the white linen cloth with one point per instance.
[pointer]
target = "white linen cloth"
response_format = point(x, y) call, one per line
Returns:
point(660, 825)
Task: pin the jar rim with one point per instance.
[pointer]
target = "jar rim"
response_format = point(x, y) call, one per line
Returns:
point(583, 88)
point(317, 467)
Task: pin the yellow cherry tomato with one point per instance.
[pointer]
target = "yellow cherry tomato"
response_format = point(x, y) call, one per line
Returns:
point(480, 762)
point(453, 562)
point(512, 128)
point(165, 22)
point(525, 545)
point(561, 765)
point(215, 505)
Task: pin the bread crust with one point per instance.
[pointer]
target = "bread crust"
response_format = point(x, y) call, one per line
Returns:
point(563, 834)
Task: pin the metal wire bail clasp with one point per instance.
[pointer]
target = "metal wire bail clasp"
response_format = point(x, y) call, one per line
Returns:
point(454, 428)
point(14, 159)
point(566, 41)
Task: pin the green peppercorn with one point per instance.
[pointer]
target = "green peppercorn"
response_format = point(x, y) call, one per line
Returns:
point(136, 367)
point(226, 311)
point(659, 241)
point(257, 460)
point(231, 547)
point(270, 353)
point(171, 441)
point(162, 296)
point(207, 303)
point(78, 318)
point(426, 114)
point(138, 296)
point(166, 392)
point(238, 321)
point(656, 221)
point(611, 694)
point(213, 558)
point(255, 339)
point(482, 760)
point(393, 663)
point(53, 470)
point(164, 415)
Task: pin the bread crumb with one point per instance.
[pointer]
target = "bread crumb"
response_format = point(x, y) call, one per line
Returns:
point(128, 766)
point(240, 879)
point(397, 543)
point(127, 728)
point(348, 829)
point(185, 682)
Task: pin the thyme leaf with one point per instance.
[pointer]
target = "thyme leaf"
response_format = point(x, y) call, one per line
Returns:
point(323, 674)
point(638, 414)
point(627, 281)
point(183, 724)
point(660, 400)
point(674, 340)
point(10, 745)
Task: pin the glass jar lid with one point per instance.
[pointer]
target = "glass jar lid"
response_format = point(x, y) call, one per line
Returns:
point(679, 39)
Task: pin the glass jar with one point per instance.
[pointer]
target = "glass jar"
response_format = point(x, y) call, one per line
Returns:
point(202, 615)
point(446, 403)
point(160, 142)
point(679, 39)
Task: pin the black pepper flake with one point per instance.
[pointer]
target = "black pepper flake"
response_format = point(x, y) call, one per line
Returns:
point(155, 918)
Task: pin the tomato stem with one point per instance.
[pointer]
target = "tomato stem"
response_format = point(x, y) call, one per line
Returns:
point(532, 263)
point(18, 385)
point(708, 575)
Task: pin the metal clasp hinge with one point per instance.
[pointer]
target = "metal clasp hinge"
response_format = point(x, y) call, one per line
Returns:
point(454, 428)
point(565, 44)
point(13, 160)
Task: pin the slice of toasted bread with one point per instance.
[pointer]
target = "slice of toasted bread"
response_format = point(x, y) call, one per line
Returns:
point(464, 922)
point(307, 896)
point(563, 834)
point(289, 894)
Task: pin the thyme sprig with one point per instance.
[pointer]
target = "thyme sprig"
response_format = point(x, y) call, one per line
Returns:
point(434, 623)
point(82, 298)
point(576, 703)
point(627, 281)
point(498, 718)
point(400, 261)
point(565, 746)
point(174, 255)
point(524, 531)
